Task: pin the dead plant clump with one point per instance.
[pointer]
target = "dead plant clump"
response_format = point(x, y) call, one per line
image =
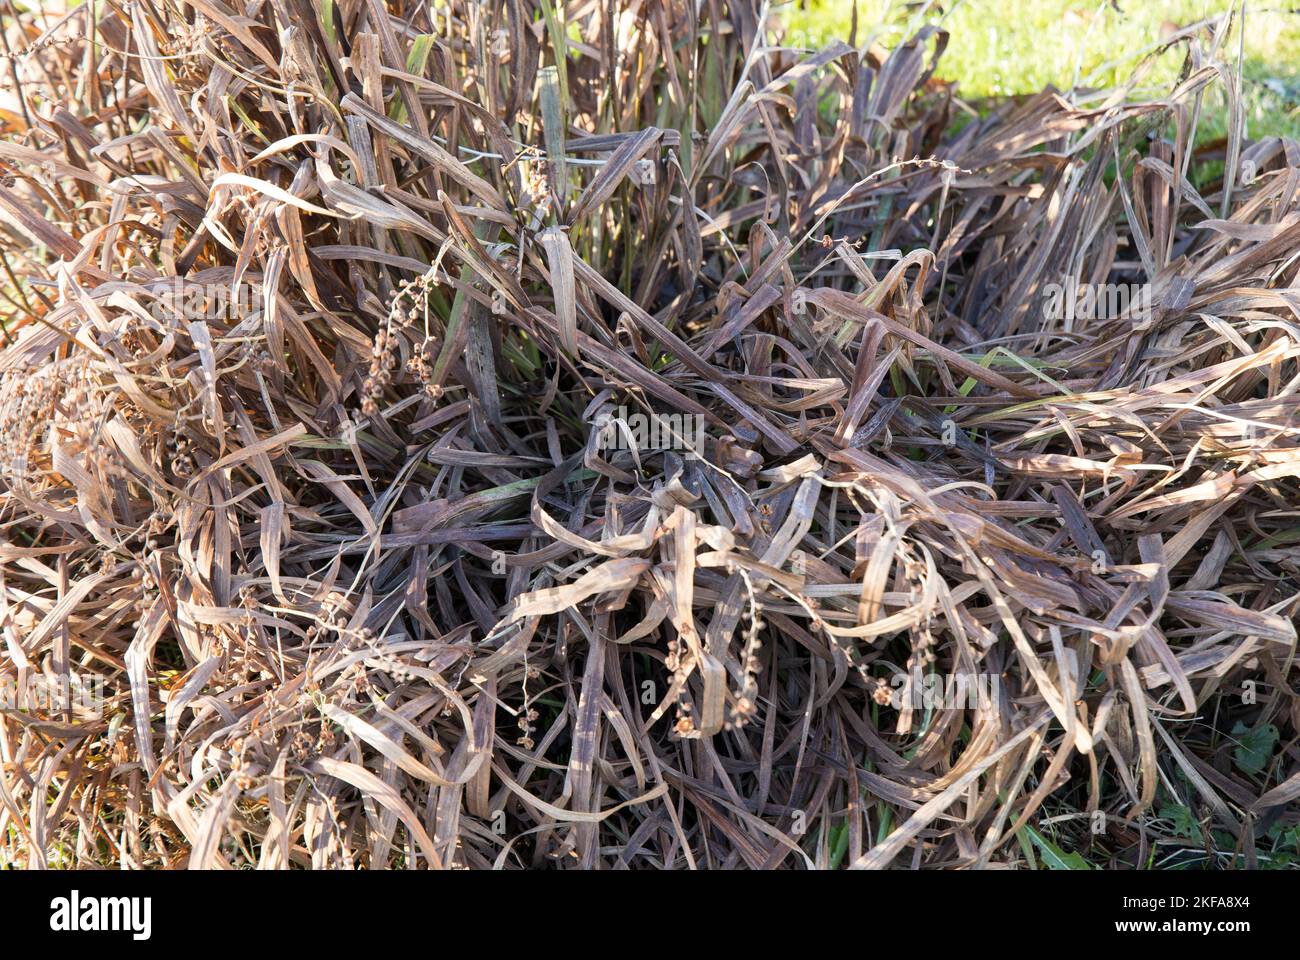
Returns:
point(597, 435)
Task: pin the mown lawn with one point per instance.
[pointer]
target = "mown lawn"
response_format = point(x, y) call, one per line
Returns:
point(1000, 47)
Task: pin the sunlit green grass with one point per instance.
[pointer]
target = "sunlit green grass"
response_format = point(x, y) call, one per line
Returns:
point(1004, 47)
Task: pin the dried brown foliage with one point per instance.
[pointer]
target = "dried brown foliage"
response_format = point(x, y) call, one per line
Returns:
point(367, 584)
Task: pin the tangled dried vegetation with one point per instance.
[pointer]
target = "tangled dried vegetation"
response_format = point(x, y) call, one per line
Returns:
point(316, 317)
